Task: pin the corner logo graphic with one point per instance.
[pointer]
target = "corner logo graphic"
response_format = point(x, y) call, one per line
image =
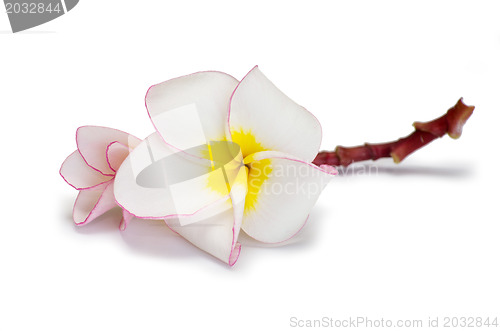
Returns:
point(25, 14)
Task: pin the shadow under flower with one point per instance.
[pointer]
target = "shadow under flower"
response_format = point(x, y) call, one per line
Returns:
point(153, 237)
point(387, 167)
point(108, 222)
point(304, 238)
point(66, 207)
point(456, 172)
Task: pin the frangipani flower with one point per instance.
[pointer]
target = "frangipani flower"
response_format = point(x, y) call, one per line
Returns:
point(91, 170)
point(226, 156)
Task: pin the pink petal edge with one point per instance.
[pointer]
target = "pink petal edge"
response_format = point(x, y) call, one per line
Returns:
point(282, 241)
point(127, 217)
point(328, 170)
point(233, 255)
point(172, 215)
point(98, 209)
point(73, 186)
point(151, 119)
point(104, 127)
point(108, 156)
point(231, 99)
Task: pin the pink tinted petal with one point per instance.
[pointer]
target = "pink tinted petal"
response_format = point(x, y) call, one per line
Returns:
point(91, 204)
point(127, 217)
point(93, 141)
point(116, 152)
point(235, 254)
point(79, 175)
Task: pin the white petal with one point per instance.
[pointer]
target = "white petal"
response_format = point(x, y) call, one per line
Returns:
point(281, 192)
point(216, 228)
point(93, 141)
point(262, 118)
point(156, 181)
point(191, 110)
point(91, 204)
point(79, 175)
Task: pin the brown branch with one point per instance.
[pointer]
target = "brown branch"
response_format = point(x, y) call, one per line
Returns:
point(450, 123)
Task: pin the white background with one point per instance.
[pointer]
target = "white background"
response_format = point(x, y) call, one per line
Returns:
point(414, 240)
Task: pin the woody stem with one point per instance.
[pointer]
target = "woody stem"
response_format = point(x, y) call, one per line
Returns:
point(450, 123)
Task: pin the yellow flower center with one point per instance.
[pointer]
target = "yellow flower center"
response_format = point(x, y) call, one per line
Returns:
point(221, 152)
point(258, 172)
point(247, 142)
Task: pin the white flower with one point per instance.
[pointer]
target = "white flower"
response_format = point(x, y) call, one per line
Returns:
point(227, 156)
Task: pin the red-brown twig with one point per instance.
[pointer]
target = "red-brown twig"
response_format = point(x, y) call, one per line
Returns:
point(450, 123)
